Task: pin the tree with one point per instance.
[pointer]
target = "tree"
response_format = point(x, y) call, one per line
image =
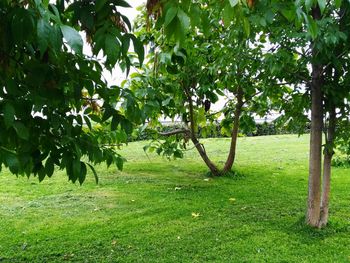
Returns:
point(189, 72)
point(313, 30)
point(51, 91)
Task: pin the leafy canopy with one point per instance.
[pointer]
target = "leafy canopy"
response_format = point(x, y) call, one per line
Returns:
point(53, 99)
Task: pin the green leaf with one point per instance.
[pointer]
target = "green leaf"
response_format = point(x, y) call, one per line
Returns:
point(201, 118)
point(322, 5)
point(115, 122)
point(73, 38)
point(119, 162)
point(184, 19)
point(195, 15)
point(205, 24)
point(83, 171)
point(139, 49)
point(21, 130)
point(11, 160)
point(43, 32)
point(125, 43)
point(41, 173)
point(94, 172)
point(178, 154)
point(107, 113)
point(55, 39)
point(309, 4)
point(56, 14)
point(126, 125)
point(49, 167)
point(112, 49)
point(9, 115)
point(227, 14)
point(289, 14)
point(76, 169)
point(246, 26)
point(170, 15)
point(312, 27)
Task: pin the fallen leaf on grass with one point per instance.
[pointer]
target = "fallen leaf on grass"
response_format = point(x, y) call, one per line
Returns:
point(195, 215)
point(232, 199)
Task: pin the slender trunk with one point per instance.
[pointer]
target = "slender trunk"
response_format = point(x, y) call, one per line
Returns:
point(234, 134)
point(200, 148)
point(315, 167)
point(313, 212)
point(328, 154)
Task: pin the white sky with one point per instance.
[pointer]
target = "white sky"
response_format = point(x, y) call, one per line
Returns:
point(131, 12)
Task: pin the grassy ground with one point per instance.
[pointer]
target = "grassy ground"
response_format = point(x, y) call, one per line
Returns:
point(160, 211)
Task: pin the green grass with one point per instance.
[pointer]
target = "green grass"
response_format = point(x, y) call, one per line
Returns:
point(144, 214)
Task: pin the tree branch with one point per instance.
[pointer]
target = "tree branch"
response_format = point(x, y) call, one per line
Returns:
point(174, 132)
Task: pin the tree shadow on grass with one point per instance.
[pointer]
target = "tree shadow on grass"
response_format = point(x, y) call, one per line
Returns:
point(233, 174)
point(308, 235)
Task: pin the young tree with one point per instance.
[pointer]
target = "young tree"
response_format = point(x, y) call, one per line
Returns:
point(189, 72)
point(314, 30)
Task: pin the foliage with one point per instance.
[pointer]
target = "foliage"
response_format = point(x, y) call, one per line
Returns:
point(51, 92)
point(341, 160)
point(186, 73)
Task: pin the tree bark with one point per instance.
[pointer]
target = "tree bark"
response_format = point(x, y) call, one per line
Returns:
point(234, 134)
point(327, 164)
point(313, 212)
point(315, 166)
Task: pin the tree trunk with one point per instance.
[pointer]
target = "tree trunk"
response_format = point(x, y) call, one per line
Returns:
point(314, 191)
point(200, 148)
point(328, 154)
point(313, 212)
point(234, 134)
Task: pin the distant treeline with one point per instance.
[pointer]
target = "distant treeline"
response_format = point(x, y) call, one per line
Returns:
point(216, 131)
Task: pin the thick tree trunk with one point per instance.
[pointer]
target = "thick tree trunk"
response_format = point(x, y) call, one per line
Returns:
point(327, 162)
point(234, 134)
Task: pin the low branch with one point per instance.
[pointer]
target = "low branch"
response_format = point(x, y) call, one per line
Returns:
point(174, 132)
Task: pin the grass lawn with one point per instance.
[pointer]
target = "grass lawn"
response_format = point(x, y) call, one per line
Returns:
point(161, 211)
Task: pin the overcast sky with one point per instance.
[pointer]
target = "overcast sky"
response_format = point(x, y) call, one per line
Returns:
point(131, 12)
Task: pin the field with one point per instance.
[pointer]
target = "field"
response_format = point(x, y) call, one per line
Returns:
point(170, 211)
